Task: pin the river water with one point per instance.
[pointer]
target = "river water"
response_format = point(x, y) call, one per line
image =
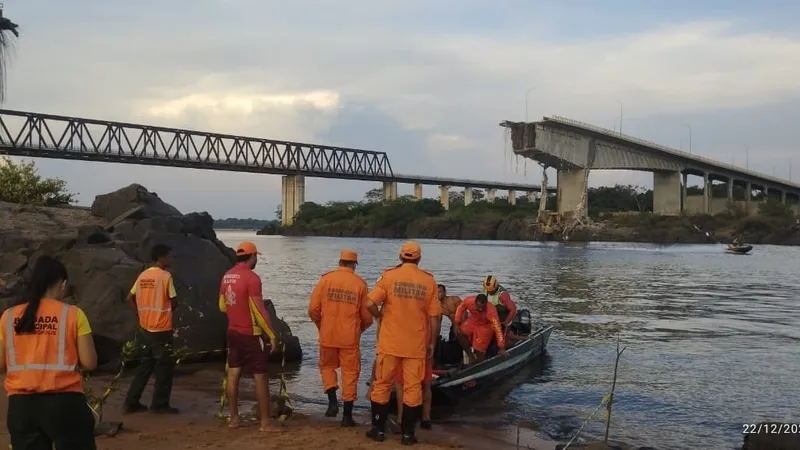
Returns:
point(712, 338)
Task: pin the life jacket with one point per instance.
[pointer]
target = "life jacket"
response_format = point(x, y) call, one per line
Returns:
point(494, 299)
point(46, 360)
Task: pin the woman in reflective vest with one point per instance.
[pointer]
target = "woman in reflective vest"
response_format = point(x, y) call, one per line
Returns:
point(44, 341)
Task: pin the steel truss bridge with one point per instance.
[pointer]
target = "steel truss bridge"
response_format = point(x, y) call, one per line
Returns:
point(52, 136)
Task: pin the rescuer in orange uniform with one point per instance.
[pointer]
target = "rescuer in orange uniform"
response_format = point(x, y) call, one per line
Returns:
point(44, 341)
point(153, 296)
point(240, 297)
point(338, 308)
point(410, 311)
point(475, 333)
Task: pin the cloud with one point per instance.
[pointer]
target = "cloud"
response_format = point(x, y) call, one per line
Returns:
point(427, 83)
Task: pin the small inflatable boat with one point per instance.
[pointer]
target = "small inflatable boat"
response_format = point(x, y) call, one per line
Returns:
point(739, 249)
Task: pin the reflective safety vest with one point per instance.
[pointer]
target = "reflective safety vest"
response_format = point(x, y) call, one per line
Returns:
point(495, 298)
point(46, 360)
point(152, 300)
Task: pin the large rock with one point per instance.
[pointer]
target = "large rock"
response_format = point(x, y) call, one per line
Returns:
point(106, 248)
point(112, 205)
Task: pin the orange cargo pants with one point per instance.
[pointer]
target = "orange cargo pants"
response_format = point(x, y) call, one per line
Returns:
point(349, 360)
point(386, 370)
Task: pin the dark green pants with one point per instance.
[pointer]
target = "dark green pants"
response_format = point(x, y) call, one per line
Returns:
point(38, 421)
point(156, 357)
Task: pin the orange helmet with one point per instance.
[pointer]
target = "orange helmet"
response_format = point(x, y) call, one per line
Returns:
point(489, 283)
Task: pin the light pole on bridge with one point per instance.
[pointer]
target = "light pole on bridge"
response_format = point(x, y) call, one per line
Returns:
point(527, 93)
point(621, 111)
point(747, 157)
point(690, 136)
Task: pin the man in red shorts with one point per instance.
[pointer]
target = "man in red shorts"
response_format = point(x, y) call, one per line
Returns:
point(240, 297)
point(475, 333)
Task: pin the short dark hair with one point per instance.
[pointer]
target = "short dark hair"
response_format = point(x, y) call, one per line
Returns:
point(481, 299)
point(408, 260)
point(243, 258)
point(159, 251)
point(441, 286)
point(344, 263)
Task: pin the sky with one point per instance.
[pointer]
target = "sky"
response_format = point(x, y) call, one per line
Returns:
point(425, 81)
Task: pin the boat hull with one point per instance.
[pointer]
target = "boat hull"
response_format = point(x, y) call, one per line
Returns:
point(461, 383)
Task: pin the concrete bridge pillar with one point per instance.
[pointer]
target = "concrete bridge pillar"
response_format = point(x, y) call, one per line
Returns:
point(684, 186)
point(444, 196)
point(490, 194)
point(512, 197)
point(531, 196)
point(730, 189)
point(748, 193)
point(389, 190)
point(783, 197)
point(293, 190)
point(706, 194)
point(418, 191)
point(571, 187)
point(467, 196)
point(667, 193)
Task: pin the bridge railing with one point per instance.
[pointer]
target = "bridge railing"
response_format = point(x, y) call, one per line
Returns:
point(663, 148)
point(44, 135)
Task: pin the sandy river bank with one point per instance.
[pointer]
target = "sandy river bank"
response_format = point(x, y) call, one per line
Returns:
point(197, 427)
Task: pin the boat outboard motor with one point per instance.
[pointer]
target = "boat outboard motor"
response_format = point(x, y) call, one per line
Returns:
point(521, 325)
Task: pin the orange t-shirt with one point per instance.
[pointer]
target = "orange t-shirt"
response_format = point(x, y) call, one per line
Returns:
point(409, 298)
point(338, 307)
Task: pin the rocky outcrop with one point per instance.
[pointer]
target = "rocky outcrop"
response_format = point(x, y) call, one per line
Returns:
point(104, 250)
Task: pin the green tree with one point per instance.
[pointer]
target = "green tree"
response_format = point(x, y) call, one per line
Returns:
point(7, 28)
point(374, 195)
point(278, 212)
point(21, 183)
point(774, 208)
point(233, 223)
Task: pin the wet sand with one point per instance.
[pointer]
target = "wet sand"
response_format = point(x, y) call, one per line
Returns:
point(197, 395)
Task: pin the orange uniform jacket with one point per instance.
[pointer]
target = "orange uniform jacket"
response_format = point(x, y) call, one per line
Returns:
point(45, 361)
point(487, 318)
point(409, 298)
point(338, 308)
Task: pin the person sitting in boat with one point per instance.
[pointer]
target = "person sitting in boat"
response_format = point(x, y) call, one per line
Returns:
point(736, 242)
point(476, 332)
point(499, 297)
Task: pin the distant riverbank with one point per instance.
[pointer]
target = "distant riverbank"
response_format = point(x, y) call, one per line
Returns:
point(402, 219)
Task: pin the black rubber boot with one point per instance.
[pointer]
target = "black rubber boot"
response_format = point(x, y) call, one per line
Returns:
point(379, 415)
point(408, 423)
point(333, 404)
point(347, 416)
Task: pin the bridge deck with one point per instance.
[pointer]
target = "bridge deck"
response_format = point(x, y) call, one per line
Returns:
point(690, 159)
